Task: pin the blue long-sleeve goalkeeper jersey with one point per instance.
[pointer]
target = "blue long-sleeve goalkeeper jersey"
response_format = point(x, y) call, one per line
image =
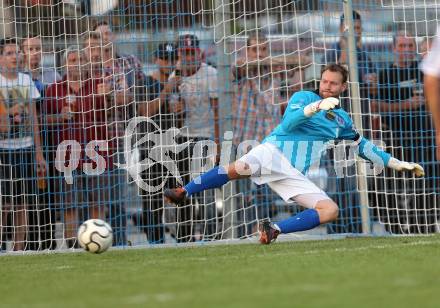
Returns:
point(303, 139)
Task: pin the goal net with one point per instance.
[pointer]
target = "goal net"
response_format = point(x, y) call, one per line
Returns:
point(105, 104)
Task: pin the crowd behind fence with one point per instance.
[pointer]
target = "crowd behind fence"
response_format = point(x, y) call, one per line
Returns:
point(67, 153)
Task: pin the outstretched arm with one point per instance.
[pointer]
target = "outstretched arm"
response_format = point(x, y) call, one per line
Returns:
point(367, 150)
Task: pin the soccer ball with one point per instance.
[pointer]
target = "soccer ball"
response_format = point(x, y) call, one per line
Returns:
point(95, 235)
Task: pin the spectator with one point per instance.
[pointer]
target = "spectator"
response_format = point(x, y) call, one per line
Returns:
point(118, 76)
point(109, 80)
point(61, 109)
point(339, 51)
point(256, 103)
point(21, 155)
point(401, 105)
point(128, 81)
point(41, 229)
point(198, 90)
point(367, 74)
point(197, 107)
point(158, 109)
point(129, 63)
point(81, 106)
point(42, 76)
point(431, 70)
point(165, 58)
point(399, 98)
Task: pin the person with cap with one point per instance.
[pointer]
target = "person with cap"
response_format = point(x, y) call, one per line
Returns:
point(196, 103)
point(157, 108)
point(197, 84)
point(157, 86)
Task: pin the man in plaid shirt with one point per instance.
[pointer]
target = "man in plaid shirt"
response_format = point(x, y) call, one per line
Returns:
point(256, 108)
point(254, 103)
point(130, 63)
point(254, 111)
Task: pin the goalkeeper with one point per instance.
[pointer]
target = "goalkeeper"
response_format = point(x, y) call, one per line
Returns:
point(310, 120)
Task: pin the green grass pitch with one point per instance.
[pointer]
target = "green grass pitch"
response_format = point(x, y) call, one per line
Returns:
point(352, 272)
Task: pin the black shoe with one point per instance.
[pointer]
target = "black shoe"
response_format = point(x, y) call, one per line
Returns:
point(268, 233)
point(175, 195)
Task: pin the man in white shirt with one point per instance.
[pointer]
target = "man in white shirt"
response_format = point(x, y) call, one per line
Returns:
point(431, 70)
point(20, 149)
point(197, 108)
point(198, 90)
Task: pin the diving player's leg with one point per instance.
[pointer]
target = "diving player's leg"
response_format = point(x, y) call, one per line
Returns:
point(327, 210)
point(245, 167)
point(319, 207)
point(216, 177)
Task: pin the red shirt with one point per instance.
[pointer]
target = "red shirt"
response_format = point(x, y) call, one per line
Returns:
point(89, 121)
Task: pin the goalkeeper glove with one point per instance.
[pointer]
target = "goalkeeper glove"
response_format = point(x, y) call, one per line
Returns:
point(325, 104)
point(398, 165)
